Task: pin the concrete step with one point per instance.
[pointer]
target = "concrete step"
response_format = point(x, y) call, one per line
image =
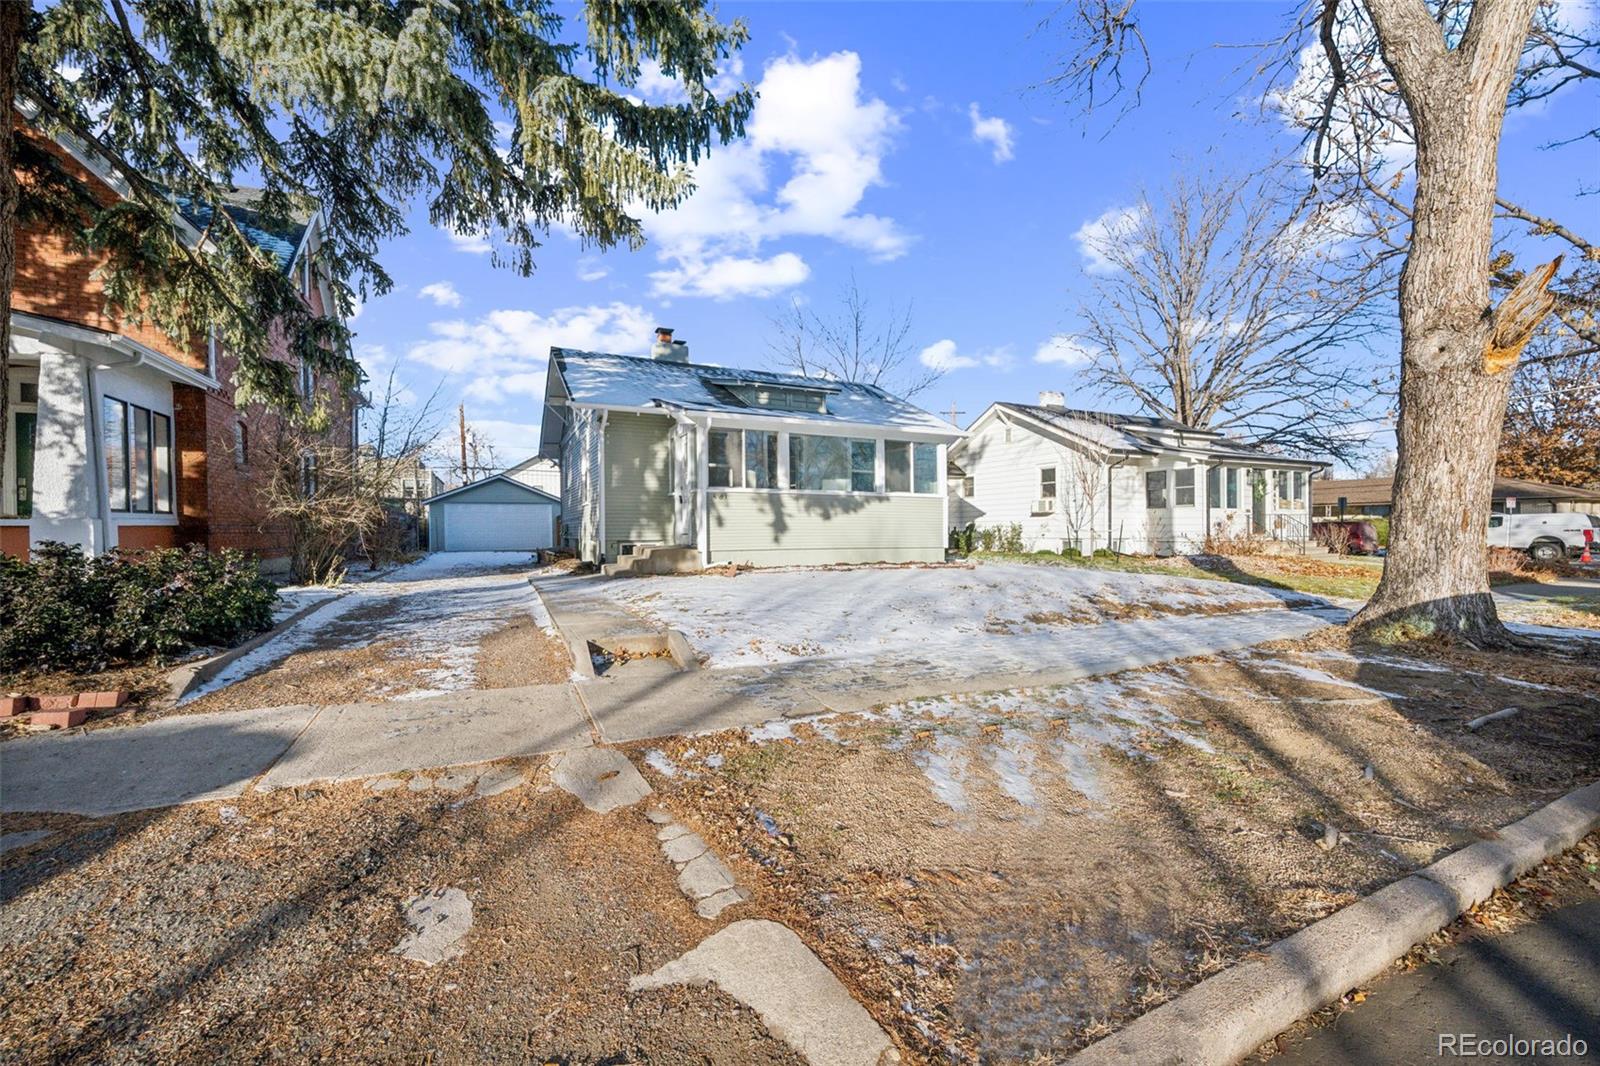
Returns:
point(655, 559)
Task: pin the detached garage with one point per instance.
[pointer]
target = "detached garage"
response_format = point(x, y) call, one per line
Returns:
point(496, 514)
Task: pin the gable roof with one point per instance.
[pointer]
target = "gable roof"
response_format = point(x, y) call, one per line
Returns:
point(281, 240)
point(1124, 434)
point(600, 379)
point(543, 497)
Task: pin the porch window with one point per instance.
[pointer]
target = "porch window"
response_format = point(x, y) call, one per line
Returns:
point(760, 459)
point(1047, 483)
point(863, 465)
point(1299, 486)
point(137, 444)
point(819, 464)
point(722, 459)
point(1214, 486)
point(1155, 490)
point(1233, 486)
point(1183, 487)
point(897, 466)
point(925, 468)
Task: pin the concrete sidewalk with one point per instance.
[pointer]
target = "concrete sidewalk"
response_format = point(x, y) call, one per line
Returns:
point(1539, 982)
point(1540, 591)
point(188, 758)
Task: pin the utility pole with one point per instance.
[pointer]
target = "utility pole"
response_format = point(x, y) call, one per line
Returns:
point(954, 414)
point(461, 413)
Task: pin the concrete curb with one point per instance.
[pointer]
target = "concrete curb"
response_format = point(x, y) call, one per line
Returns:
point(190, 676)
point(1226, 1017)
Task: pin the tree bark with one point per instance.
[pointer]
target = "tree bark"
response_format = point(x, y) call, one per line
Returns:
point(13, 16)
point(1452, 396)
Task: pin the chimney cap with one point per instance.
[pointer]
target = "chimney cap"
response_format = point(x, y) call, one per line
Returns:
point(1052, 398)
point(664, 331)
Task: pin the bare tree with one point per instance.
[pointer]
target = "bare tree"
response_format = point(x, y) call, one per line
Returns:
point(1552, 426)
point(334, 497)
point(851, 344)
point(1452, 65)
point(1080, 506)
point(1221, 307)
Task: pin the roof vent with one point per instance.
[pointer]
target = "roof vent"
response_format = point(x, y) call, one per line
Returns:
point(1050, 398)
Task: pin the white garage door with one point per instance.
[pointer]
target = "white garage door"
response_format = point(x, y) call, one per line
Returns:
point(489, 527)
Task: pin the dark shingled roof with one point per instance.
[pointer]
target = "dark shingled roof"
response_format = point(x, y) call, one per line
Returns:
point(243, 205)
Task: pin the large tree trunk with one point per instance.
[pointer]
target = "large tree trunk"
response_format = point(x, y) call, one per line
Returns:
point(1454, 376)
point(12, 18)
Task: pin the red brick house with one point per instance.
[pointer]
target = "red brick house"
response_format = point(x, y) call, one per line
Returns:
point(118, 436)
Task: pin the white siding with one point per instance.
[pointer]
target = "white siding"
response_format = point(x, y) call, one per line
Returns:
point(1006, 482)
point(580, 485)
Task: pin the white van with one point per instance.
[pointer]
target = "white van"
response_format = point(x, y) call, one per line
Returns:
point(1546, 537)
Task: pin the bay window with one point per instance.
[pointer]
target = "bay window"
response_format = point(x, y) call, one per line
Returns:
point(137, 445)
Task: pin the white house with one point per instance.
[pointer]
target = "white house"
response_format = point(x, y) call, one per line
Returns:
point(718, 465)
point(538, 473)
point(1132, 483)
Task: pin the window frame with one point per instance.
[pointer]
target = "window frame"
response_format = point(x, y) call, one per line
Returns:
point(732, 464)
point(1166, 490)
point(1053, 483)
point(1214, 487)
point(1179, 488)
point(158, 469)
point(1231, 488)
point(770, 458)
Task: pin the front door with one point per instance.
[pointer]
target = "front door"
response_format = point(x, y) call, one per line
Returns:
point(685, 467)
point(27, 425)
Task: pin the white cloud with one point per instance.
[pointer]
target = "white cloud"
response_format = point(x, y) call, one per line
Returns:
point(943, 355)
point(815, 131)
point(505, 352)
point(469, 243)
point(993, 131)
point(591, 269)
point(442, 293)
point(728, 276)
point(1063, 350)
point(1099, 235)
point(514, 441)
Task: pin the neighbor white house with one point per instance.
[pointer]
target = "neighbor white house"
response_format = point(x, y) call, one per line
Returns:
point(740, 466)
point(1132, 483)
point(538, 473)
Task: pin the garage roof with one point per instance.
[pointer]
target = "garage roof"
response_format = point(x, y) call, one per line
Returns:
point(543, 497)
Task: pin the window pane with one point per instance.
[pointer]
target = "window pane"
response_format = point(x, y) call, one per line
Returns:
point(140, 458)
point(819, 464)
point(163, 461)
point(1183, 487)
point(1214, 487)
point(760, 459)
point(1299, 485)
point(863, 465)
point(114, 442)
point(723, 448)
point(1155, 489)
point(1233, 487)
point(1047, 483)
point(925, 470)
point(897, 466)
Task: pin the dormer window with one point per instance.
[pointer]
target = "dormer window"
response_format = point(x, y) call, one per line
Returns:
point(781, 397)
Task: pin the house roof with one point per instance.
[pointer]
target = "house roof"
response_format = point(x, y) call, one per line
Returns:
point(278, 239)
point(1146, 434)
point(600, 379)
point(543, 497)
point(1364, 491)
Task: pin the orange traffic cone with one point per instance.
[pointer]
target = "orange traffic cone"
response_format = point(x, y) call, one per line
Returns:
point(1588, 540)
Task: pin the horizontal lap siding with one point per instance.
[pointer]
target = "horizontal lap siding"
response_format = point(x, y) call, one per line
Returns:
point(638, 472)
point(798, 528)
point(1006, 482)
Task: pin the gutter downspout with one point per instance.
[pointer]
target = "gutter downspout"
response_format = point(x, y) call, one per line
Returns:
point(702, 498)
point(95, 451)
point(600, 549)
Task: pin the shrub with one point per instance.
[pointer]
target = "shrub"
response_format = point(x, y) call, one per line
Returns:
point(65, 610)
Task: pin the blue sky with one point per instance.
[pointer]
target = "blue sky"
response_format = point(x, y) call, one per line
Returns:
point(904, 142)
